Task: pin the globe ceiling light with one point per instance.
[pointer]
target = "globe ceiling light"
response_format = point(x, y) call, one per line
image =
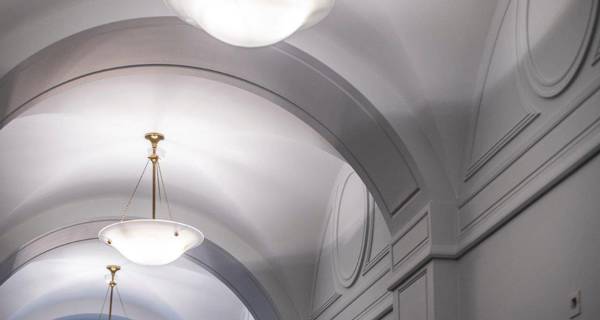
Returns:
point(151, 241)
point(251, 23)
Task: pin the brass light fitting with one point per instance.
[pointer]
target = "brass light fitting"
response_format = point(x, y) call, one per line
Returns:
point(151, 241)
point(112, 284)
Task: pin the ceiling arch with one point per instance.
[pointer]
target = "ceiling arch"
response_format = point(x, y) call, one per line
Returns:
point(293, 80)
point(66, 265)
point(399, 103)
point(227, 151)
point(281, 74)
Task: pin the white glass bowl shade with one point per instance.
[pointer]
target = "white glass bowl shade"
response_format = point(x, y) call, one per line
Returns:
point(251, 23)
point(151, 242)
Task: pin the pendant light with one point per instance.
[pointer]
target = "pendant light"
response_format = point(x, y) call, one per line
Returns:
point(251, 23)
point(151, 241)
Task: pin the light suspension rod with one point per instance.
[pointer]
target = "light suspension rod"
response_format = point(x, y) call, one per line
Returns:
point(112, 284)
point(154, 138)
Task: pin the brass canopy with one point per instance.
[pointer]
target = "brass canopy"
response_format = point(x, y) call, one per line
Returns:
point(113, 268)
point(154, 138)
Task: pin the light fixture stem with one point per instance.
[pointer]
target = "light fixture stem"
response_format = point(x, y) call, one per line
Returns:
point(110, 303)
point(154, 161)
point(112, 284)
point(154, 138)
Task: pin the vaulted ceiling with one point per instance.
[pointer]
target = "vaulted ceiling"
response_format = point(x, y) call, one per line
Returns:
point(252, 175)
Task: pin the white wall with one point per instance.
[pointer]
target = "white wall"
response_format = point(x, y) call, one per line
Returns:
point(529, 268)
point(526, 230)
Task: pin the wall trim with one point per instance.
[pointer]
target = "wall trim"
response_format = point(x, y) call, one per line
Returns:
point(541, 168)
point(415, 221)
point(547, 88)
point(571, 158)
point(316, 312)
point(588, 146)
point(375, 260)
point(377, 303)
point(360, 292)
point(482, 77)
point(328, 303)
point(554, 121)
point(370, 261)
point(509, 136)
point(347, 282)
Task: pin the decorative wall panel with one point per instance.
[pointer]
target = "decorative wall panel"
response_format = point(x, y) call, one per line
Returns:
point(500, 115)
point(350, 229)
point(412, 299)
point(379, 238)
point(413, 238)
point(540, 61)
point(356, 239)
point(324, 291)
point(553, 38)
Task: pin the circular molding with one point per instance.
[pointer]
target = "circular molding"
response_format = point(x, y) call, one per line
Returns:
point(534, 65)
point(348, 260)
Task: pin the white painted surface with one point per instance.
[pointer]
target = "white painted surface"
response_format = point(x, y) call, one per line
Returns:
point(389, 51)
point(71, 280)
point(78, 154)
point(417, 63)
point(529, 268)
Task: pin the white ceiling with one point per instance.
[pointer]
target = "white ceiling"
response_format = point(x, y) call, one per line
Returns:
point(71, 280)
point(231, 157)
point(416, 61)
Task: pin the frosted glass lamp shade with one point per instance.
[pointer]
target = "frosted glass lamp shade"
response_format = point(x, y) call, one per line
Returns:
point(151, 241)
point(251, 23)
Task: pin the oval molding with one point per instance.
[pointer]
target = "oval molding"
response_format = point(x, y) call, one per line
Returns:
point(565, 59)
point(348, 260)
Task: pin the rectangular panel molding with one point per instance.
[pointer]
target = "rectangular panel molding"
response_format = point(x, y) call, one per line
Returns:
point(411, 239)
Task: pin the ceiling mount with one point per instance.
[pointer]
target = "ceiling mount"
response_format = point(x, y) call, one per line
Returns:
point(154, 138)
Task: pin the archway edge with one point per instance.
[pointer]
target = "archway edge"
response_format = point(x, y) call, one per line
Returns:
point(281, 73)
point(209, 255)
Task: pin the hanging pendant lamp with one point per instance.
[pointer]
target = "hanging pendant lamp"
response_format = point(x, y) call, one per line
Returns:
point(251, 23)
point(151, 241)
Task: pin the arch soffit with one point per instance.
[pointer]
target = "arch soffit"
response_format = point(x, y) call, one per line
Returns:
point(280, 73)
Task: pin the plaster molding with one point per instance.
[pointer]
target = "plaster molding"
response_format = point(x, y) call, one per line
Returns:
point(317, 310)
point(528, 117)
point(596, 56)
point(550, 87)
point(518, 127)
point(347, 280)
point(550, 126)
point(541, 131)
point(328, 303)
point(378, 309)
point(347, 300)
point(551, 171)
point(413, 238)
point(372, 258)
